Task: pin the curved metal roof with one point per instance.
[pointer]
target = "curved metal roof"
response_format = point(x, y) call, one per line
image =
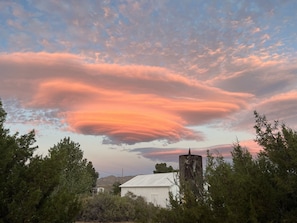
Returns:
point(153, 180)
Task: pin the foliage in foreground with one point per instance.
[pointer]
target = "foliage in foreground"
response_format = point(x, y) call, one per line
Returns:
point(260, 189)
point(106, 207)
point(163, 168)
point(41, 189)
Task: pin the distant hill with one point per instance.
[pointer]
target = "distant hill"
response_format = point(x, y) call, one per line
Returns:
point(107, 182)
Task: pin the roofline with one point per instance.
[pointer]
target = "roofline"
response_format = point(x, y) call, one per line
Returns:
point(144, 186)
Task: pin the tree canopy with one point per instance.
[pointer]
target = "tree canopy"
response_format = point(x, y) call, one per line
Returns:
point(41, 189)
point(163, 168)
point(262, 188)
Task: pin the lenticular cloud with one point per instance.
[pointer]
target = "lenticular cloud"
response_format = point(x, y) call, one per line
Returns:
point(126, 104)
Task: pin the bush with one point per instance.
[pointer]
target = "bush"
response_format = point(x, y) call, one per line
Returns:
point(106, 207)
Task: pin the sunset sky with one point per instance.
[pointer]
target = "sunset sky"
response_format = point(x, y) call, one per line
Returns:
point(137, 83)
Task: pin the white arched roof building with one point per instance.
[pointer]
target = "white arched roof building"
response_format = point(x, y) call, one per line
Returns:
point(154, 188)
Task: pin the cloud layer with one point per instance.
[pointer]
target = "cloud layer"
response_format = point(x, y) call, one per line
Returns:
point(127, 104)
point(157, 154)
point(139, 71)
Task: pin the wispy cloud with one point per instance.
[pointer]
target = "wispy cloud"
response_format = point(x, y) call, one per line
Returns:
point(280, 107)
point(157, 154)
point(257, 75)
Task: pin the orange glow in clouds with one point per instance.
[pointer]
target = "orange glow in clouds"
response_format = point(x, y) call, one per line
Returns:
point(130, 126)
point(127, 104)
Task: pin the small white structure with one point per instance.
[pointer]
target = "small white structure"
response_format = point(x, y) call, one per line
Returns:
point(154, 188)
point(98, 190)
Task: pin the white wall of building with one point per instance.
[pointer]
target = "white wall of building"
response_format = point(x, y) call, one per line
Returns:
point(154, 188)
point(159, 196)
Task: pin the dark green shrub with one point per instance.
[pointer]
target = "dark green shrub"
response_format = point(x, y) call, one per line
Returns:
point(107, 207)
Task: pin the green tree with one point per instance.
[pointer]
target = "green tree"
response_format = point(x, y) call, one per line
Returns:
point(239, 191)
point(40, 189)
point(279, 157)
point(16, 153)
point(76, 173)
point(116, 190)
point(248, 189)
point(163, 168)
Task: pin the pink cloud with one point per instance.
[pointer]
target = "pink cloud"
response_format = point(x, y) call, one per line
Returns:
point(172, 154)
point(160, 154)
point(122, 125)
point(280, 107)
point(260, 74)
point(256, 30)
point(127, 104)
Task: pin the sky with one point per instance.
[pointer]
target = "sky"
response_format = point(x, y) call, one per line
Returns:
point(137, 83)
